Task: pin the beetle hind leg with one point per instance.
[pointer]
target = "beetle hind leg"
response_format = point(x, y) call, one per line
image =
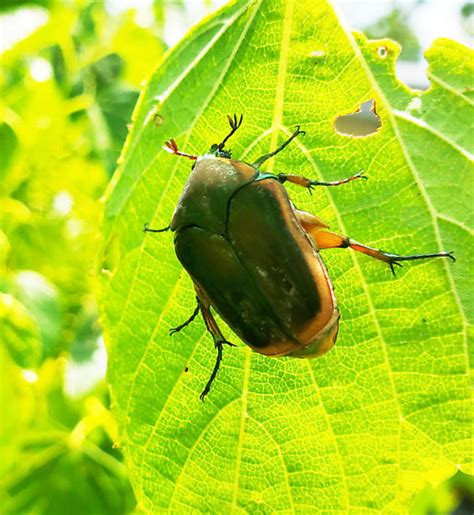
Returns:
point(219, 345)
point(217, 336)
point(178, 328)
point(395, 259)
point(331, 240)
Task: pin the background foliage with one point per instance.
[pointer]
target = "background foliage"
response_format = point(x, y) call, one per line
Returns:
point(68, 91)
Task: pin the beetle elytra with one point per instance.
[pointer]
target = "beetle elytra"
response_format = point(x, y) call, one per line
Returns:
point(254, 257)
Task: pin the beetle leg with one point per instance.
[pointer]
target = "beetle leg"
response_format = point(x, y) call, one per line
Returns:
point(263, 158)
point(217, 336)
point(178, 328)
point(147, 229)
point(331, 240)
point(172, 147)
point(311, 183)
point(310, 221)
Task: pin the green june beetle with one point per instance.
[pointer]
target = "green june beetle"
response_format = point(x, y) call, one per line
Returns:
point(254, 257)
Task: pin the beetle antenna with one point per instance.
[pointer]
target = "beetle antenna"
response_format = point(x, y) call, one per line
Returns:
point(234, 125)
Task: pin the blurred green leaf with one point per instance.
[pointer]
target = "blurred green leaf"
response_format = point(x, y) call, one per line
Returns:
point(8, 144)
point(20, 332)
point(64, 457)
point(16, 4)
point(77, 481)
point(41, 299)
point(365, 426)
point(17, 401)
point(131, 38)
point(67, 96)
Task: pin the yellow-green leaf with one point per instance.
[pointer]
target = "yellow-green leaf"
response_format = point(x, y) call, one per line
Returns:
point(389, 407)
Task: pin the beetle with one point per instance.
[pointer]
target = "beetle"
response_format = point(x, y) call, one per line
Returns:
point(254, 257)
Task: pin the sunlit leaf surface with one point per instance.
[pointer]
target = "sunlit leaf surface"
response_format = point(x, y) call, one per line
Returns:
point(389, 407)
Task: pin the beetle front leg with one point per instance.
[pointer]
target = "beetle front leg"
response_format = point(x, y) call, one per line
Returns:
point(331, 240)
point(178, 328)
point(172, 147)
point(217, 336)
point(263, 158)
point(311, 183)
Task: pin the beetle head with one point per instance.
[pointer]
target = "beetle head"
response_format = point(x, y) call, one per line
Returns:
point(218, 151)
point(218, 148)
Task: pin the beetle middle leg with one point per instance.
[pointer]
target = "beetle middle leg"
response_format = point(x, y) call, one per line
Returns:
point(178, 328)
point(330, 240)
point(311, 183)
point(217, 336)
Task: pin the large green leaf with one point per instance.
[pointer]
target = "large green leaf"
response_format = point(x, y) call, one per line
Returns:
point(389, 407)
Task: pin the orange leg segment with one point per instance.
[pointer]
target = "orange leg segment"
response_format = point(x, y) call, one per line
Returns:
point(311, 183)
point(331, 240)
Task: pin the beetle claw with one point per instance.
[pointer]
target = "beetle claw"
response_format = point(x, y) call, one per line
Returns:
point(218, 343)
point(392, 268)
point(298, 131)
point(450, 255)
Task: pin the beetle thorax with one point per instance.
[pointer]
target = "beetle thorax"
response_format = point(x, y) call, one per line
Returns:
point(210, 165)
point(208, 191)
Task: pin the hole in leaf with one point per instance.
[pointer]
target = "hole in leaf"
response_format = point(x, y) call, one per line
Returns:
point(382, 52)
point(158, 119)
point(361, 123)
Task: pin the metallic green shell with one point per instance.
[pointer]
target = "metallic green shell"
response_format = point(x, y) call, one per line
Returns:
point(255, 263)
point(212, 263)
point(207, 192)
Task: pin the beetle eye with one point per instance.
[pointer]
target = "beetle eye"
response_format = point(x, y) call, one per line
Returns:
point(219, 152)
point(224, 153)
